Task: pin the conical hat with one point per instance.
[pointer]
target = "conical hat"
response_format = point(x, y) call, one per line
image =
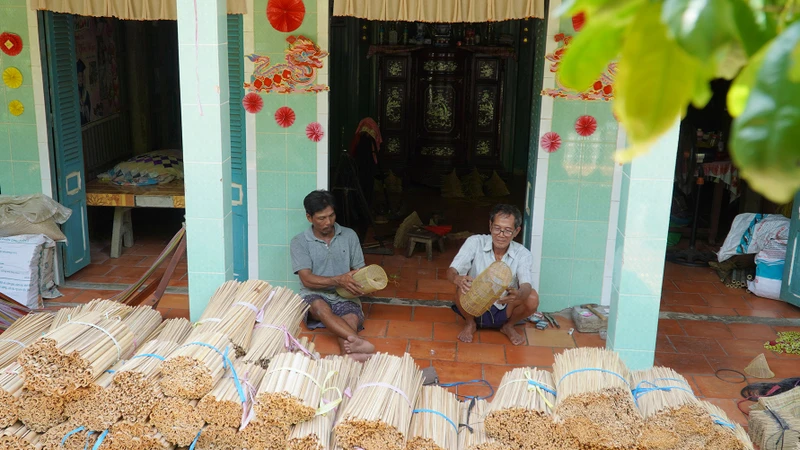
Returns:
point(759, 368)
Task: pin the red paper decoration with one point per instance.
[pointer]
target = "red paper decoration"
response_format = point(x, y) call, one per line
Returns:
point(252, 103)
point(586, 125)
point(550, 142)
point(10, 43)
point(578, 20)
point(286, 15)
point(284, 116)
point(315, 132)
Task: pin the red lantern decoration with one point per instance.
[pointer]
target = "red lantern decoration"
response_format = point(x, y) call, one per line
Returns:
point(550, 142)
point(286, 15)
point(315, 132)
point(578, 20)
point(586, 125)
point(284, 116)
point(10, 44)
point(252, 103)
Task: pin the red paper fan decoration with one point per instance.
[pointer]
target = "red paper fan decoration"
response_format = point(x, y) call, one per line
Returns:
point(10, 43)
point(550, 142)
point(284, 116)
point(578, 20)
point(314, 131)
point(286, 15)
point(586, 125)
point(252, 103)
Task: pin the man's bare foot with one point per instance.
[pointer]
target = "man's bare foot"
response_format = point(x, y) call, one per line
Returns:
point(360, 357)
point(355, 344)
point(516, 338)
point(468, 331)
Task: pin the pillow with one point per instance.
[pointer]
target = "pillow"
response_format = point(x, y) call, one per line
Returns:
point(157, 167)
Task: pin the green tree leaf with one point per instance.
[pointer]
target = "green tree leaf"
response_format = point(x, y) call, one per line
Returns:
point(766, 135)
point(752, 26)
point(588, 55)
point(701, 27)
point(743, 84)
point(655, 81)
point(794, 75)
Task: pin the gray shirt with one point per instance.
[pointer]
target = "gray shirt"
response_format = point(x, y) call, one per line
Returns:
point(476, 255)
point(342, 255)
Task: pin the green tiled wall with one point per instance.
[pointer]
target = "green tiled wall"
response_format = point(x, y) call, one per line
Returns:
point(577, 206)
point(286, 160)
point(19, 149)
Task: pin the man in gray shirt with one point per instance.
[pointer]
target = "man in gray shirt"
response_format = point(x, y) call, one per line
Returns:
point(477, 253)
point(325, 256)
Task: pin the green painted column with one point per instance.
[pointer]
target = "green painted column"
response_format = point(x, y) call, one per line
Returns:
point(205, 123)
point(645, 202)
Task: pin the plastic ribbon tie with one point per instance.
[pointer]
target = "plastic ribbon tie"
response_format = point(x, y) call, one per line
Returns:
point(289, 342)
point(88, 435)
point(226, 363)
point(720, 421)
point(440, 414)
point(13, 341)
point(472, 402)
point(150, 355)
point(533, 385)
point(387, 386)
point(784, 427)
point(347, 392)
point(100, 440)
point(119, 349)
point(592, 369)
point(327, 406)
point(210, 319)
point(111, 371)
point(66, 436)
point(250, 398)
point(639, 391)
point(298, 371)
point(196, 438)
point(254, 308)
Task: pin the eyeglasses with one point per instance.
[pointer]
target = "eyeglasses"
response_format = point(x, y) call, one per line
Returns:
point(507, 232)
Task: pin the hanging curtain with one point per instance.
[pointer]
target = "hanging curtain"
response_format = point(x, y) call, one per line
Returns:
point(440, 11)
point(125, 9)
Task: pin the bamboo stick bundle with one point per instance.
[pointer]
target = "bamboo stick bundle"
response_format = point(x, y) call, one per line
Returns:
point(142, 321)
point(773, 429)
point(215, 437)
point(19, 437)
point(291, 390)
point(238, 319)
point(472, 436)
point(125, 435)
point(594, 403)
point(108, 308)
point(434, 420)
point(68, 436)
point(228, 402)
point(218, 305)
point(194, 368)
point(10, 391)
point(22, 332)
point(177, 420)
point(379, 414)
point(39, 411)
point(315, 434)
point(263, 436)
point(520, 415)
point(75, 354)
point(726, 433)
point(279, 328)
point(96, 409)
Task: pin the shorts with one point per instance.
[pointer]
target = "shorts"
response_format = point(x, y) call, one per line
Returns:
point(494, 318)
point(341, 309)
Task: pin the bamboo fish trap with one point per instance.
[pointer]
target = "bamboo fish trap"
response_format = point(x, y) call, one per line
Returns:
point(277, 332)
point(315, 434)
point(520, 415)
point(177, 420)
point(725, 433)
point(194, 368)
point(774, 429)
point(594, 403)
point(379, 414)
point(291, 390)
point(19, 437)
point(472, 436)
point(10, 391)
point(22, 332)
point(228, 403)
point(371, 278)
point(487, 288)
point(434, 423)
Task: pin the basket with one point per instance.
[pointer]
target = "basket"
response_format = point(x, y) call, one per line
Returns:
point(371, 278)
point(487, 287)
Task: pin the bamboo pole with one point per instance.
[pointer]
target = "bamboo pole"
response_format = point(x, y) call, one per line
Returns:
point(19, 437)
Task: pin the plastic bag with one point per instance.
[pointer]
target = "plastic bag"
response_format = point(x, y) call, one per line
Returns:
point(32, 214)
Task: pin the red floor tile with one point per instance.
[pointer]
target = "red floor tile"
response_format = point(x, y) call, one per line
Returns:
point(588, 339)
point(87, 296)
point(435, 286)
point(670, 327)
point(447, 331)
point(730, 362)
point(792, 313)
point(726, 301)
point(409, 329)
point(434, 350)
point(430, 314)
point(752, 331)
point(766, 303)
point(784, 368)
point(170, 313)
point(663, 344)
point(744, 347)
point(496, 337)
point(677, 308)
point(684, 363)
point(392, 346)
point(415, 295)
point(454, 371)
point(759, 313)
point(327, 344)
point(417, 273)
point(682, 298)
point(389, 312)
point(697, 287)
point(93, 270)
point(697, 328)
point(130, 272)
point(374, 328)
point(712, 387)
point(180, 301)
point(494, 373)
point(446, 297)
point(522, 355)
point(481, 353)
point(695, 345)
point(669, 286)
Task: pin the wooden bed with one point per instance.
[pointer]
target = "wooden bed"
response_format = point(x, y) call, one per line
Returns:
point(124, 198)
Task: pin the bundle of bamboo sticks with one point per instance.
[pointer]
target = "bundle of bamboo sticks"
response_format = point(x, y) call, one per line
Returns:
point(472, 435)
point(22, 332)
point(315, 434)
point(10, 391)
point(177, 420)
point(96, 409)
point(19, 437)
point(278, 330)
point(68, 436)
point(218, 305)
point(108, 308)
point(434, 424)
point(263, 435)
point(228, 403)
point(291, 390)
point(724, 433)
point(125, 435)
point(379, 414)
point(594, 403)
point(238, 318)
point(39, 411)
point(195, 367)
point(520, 415)
point(772, 429)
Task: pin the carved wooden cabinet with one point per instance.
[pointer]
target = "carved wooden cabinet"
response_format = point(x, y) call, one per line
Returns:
point(439, 109)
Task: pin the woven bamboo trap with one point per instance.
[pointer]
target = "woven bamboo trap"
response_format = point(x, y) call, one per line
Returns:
point(487, 288)
point(371, 278)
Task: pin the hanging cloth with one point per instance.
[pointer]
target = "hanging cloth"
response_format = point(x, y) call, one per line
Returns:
point(125, 9)
point(440, 11)
point(369, 126)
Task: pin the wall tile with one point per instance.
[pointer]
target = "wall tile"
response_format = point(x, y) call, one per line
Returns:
point(652, 200)
point(5, 143)
point(271, 152)
point(635, 322)
point(558, 239)
point(299, 185)
point(6, 178)
point(271, 190)
point(265, 119)
point(553, 302)
point(301, 154)
point(565, 113)
point(643, 270)
point(272, 261)
point(562, 200)
point(594, 202)
point(597, 162)
point(591, 238)
point(272, 226)
point(210, 185)
point(638, 359)
point(587, 278)
point(297, 222)
point(27, 178)
point(25, 95)
point(205, 244)
point(305, 107)
point(565, 164)
point(556, 276)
